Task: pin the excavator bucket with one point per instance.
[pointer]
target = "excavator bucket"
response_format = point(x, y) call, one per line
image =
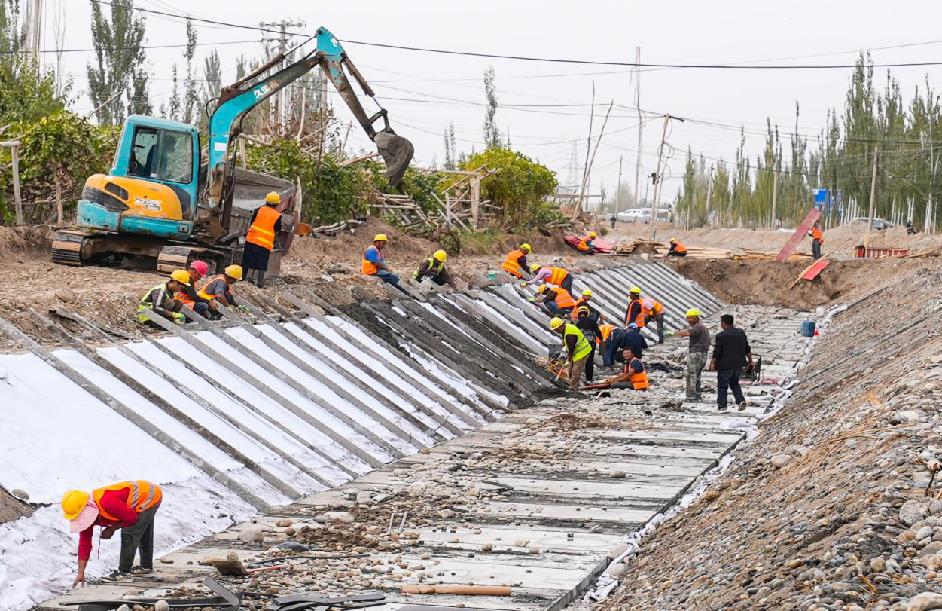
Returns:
point(396, 152)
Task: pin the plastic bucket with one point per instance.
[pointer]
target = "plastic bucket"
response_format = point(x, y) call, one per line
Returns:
point(807, 328)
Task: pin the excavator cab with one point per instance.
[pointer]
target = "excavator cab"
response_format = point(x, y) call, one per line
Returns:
point(152, 188)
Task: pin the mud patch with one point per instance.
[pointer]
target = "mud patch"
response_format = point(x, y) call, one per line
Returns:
point(12, 508)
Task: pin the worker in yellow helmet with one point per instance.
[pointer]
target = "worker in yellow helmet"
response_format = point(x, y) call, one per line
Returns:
point(434, 269)
point(516, 262)
point(219, 289)
point(127, 506)
point(576, 346)
point(374, 261)
point(585, 245)
point(160, 299)
point(261, 238)
point(696, 353)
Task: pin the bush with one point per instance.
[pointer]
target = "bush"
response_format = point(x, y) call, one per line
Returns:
point(518, 188)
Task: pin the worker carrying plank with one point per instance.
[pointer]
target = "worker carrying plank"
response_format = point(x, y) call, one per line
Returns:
point(551, 274)
point(126, 506)
point(676, 249)
point(219, 289)
point(261, 238)
point(576, 346)
point(374, 261)
point(189, 296)
point(516, 262)
point(160, 299)
point(433, 268)
point(556, 301)
point(817, 240)
point(634, 376)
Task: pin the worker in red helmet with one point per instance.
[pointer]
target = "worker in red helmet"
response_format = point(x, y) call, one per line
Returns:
point(189, 295)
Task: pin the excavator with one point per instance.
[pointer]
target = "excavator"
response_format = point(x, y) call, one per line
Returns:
point(160, 202)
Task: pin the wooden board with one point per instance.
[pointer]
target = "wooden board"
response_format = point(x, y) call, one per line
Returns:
point(793, 242)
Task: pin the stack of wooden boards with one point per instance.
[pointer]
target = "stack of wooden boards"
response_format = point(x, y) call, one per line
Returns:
point(641, 246)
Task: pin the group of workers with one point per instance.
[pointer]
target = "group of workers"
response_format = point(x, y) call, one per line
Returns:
point(168, 299)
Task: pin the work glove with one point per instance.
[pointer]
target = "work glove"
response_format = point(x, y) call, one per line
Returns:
point(669, 333)
point(178, 318)
point(243, 309)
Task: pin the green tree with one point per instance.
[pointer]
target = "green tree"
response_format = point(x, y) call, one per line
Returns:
point(190, 90)
point(116, 83)
point(491, 133)
point(517, 188)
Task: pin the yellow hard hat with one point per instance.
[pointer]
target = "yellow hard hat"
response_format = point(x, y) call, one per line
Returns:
point(73, 502)
point(273, 198)
point(542, 289)
point(583, 310)
point(673, 240)
point(380, 237)
point(556, 323)
point(234, 271)
point(587, 293)
point(534, 268)
point(693, 312)
point(592, 234)
point(525, 247)
point(440, 255)
point(635, 289)
point(182, 276)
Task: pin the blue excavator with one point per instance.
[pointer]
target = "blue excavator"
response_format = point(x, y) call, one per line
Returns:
point(159, 202)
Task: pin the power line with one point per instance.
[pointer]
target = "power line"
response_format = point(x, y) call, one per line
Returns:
point(167, 46)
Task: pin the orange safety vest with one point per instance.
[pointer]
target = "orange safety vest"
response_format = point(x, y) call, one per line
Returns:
point(642, 317)
point(142, 496)
point(678, 247)
point(367, 266)
point(575, 308)
point(583, 244)
point(184, 299)
point(653, 307)
point(817, 234)
point(262, 231)
point(606, 332)
point(202, 292)
point(511, 263)
point(563, 298)
point(639, 380)
point(557, 275)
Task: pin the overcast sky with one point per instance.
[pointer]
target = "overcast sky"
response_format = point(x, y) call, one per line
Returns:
point(682, 31)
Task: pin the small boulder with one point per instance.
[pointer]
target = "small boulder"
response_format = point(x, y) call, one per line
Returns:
point(161, 605)
point(925, 601)
point(283, 523)
point(780, 460)
point(911, 512)
point(20, 494)
point(252, 534)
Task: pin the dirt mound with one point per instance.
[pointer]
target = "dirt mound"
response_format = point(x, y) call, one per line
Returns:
point(768, 282)
point(12, 508)
point(25, 240)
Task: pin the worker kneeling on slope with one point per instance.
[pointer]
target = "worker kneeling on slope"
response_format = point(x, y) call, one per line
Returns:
point(434, 269)
point(160, 299)
point(551, 274)
point(556, 301)
point(634, 376)
point(189, 296)
point(260, 238)
point(621, 339)
point(128, 506)
point(577, 349)
point(516, 262)
point(219, 289)
point(374, 261)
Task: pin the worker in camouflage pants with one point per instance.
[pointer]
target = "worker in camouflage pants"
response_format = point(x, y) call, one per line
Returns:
point(697, 353)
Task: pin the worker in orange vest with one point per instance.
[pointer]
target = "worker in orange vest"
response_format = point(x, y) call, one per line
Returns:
point(677, 249)
point(374, 261)
point(551, 274)
point(126, 506)
point(634, 376)
point(817, 240)
point(636, 312)
point(260, 239)
point(655, 312)
point(556, 301)
point(189, 296)
point(585, 244)
point(516, 262)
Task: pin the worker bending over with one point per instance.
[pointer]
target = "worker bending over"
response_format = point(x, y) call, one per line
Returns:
point(677, 249)
point(189, 295)
point(219, 289)
point(576, 346)
point(556, 301)
point(434, 269)
point(731, 352)
point(696, 354)
point(260, 238)
point(586, 245)
point(635, 312)
point(621, 339)
point(128, 506)
point(655, 313)
point(551, 274)
point(160, 299)
point(634, 376)
point(587, 321)
point(516, 262)
point(817, 240)
point(374, 262)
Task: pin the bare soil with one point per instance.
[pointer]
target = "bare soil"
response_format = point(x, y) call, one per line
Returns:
point(11, 508)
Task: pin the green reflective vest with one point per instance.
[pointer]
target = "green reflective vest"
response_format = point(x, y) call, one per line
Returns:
point(582, 344)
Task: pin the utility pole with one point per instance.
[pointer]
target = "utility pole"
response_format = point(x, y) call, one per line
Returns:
point(873, 194)
point(640, 124)
point(618, 186)
point(774, 196)
point(282, 41)
point(657, 175)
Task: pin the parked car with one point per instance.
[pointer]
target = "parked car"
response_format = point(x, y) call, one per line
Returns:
point(634, 215)
point(878, 223)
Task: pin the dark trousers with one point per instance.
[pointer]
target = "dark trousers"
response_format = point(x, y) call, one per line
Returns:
point(815, 249)
point(660, 328)
point(728, 379)
point(590, 363)
point(138, 536)
point(567, 283)
point(201, 308)
point(554, 310)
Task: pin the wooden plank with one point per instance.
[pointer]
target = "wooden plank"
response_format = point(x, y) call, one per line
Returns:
point(813, 215)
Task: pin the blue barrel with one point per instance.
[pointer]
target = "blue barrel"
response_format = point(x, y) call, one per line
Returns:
point(807, 328)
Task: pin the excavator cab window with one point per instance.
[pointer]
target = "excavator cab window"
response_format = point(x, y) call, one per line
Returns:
point(162, 154)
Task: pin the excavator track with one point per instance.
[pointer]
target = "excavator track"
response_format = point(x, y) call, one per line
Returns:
point(179, 257)
point(68, 247)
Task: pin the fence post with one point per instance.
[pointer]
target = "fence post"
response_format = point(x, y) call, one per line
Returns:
point(14, 146)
